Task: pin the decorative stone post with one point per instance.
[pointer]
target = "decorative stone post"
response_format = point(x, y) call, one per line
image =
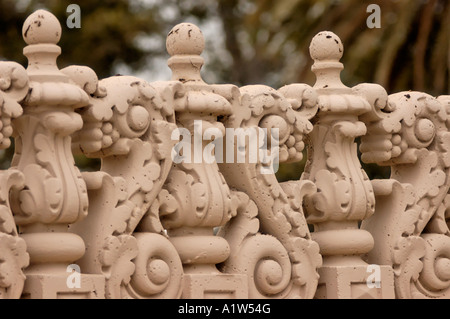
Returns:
point(55, 194)
point(201, 197)
point(344, 193)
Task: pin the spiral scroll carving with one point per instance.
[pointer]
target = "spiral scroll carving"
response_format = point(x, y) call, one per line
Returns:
point(128, 125)
point(413, 235)
point(279, 214)
point(158, 271)
point(266, 263)
point(14, 85)
point(434, 280)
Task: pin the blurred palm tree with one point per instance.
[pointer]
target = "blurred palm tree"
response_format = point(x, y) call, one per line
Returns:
point(410, 51)
point(253, 41)
point(269, 43)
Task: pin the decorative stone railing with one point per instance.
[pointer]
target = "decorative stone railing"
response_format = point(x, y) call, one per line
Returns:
point(204, 218)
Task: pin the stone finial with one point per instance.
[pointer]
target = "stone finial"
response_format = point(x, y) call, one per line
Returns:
point(326, 46)
point(185, 39)
point(41, 27)
point(42, 31)
point(326, 50)
point(185, 43)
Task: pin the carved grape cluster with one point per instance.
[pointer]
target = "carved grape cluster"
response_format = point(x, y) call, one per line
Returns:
point(294, 147)
point(13, 89)
point(109, 135)
point(5, 129)
point(413, 123)
point(288, 110)
point(303, 101)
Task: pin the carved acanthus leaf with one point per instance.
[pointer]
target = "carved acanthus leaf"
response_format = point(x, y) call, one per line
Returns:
point(279, 214)
point(128, 124)
point(13, 260)
point(117, 266)
point(14, 257)
point(420, 161)
point(14, 86)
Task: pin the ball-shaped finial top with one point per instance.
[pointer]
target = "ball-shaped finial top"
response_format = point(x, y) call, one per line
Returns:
point(185, 39)
point(326, 46)
point(41, 27)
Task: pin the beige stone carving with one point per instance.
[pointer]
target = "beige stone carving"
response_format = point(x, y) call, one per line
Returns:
point(128, 124)
point(410, 225)
point(200, 199)
point(13, 256)
point(344, 193)
point(263, 241)
point(280, 258)
point(181, 208)
point(54, 194)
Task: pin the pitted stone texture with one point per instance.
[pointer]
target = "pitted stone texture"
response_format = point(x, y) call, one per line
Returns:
point(41, 27)
point(185, 39)
point(326, 46)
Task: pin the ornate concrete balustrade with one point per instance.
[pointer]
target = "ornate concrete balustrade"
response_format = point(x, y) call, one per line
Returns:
point(205, 217)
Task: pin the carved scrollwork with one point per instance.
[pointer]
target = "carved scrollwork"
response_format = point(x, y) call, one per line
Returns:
point(14, 87)
point(150, 226)
point(51, 192)
point(14, 257)
point(55, 192)
point(286, 261)
point(128, 125)
point(413, 139)
point(159, 270)
point(344, 189)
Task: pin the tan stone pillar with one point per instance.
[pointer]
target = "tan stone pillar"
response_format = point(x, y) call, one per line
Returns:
point(55, 194)
point(203, 199)
point(344, 193)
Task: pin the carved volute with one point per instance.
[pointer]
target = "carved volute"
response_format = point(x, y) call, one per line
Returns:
point(186, 202)
point(13, 255)
point(410, 225)
point(127, 125)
